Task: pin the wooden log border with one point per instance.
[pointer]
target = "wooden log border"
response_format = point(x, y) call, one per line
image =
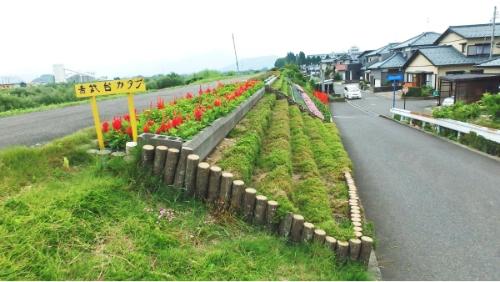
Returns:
point(183, 170)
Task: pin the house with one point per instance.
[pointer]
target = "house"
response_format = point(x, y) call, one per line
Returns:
point(490, 66)
point(399, 54)
point(372, 58)
point(459, 50)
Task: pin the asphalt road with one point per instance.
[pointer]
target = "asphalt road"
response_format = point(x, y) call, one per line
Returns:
point(435, 205)
point(41, 127)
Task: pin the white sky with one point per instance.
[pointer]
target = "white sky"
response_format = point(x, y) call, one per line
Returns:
point(117, 38)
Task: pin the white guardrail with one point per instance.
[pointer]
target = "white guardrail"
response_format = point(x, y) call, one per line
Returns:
point(462, 127)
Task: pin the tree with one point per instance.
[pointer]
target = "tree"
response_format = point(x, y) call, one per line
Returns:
point(301, 59)
point(280, 62)
point(290, 58)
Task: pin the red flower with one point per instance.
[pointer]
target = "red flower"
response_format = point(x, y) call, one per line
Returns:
point(129, 131)
point(172, 103)
point(189, 95)
point(117, 123)
point(220, 84)
point(105, 126)
point(217, 103)
point(160, 103)
point(177, 121)
point(150, 122)
point(200, 91)
point(208, 90)
point(198, 114)
point(126, 117)
point(145, 129)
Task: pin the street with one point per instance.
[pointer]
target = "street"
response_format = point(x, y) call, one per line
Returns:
point(41, 127)
point(435, 205)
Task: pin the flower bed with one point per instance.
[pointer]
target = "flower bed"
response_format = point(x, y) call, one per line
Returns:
point(311, 106)
point(183, 117)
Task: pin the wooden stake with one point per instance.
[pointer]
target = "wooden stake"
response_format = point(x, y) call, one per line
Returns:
point(225, 188)
point(260, 210)
point(171, 165)
point(331, 243)
point(272, 208)
point(342, 251)
point(214, 183)
point(249, 204)
point(354, 248)
point(307, 232)
point(296, 230)
point(237, 192)
point(159, 160)
point(180, 173)
point(191, 168)
point(148, 154)
point(319, 236)
point(286, 225)
point(366, 249)
point(202, 180)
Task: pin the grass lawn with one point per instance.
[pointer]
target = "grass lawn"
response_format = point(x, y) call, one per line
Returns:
point(65, 215)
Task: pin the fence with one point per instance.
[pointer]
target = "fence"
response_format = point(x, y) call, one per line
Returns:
point(458, 126)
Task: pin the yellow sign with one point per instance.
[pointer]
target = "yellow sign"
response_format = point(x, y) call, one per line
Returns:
point(111, 87)
point(93, 89)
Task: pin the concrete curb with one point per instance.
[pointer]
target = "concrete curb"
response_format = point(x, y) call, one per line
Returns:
point(443, 138)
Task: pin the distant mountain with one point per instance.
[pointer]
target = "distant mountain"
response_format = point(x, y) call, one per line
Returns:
point(44, 79)
point(256, 63)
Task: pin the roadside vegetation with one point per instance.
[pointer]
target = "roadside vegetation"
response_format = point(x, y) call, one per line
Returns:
point(485, 112)
point(286, 157)
point(78, 217)
point(35, 98)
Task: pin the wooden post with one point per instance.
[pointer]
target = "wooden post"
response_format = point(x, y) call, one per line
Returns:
point(272, 208)
point(296, 231)
point(342, 251)
point(286, 225)
point(249, 204)
point(237, 193)
point(331, 243)
point(225, 189)
point(307, 232)
point(319, 236)
point(170, 165)
point(214, 183)
point(148, 154)
point(191, 167)
point(202, 180)
point(357, 229)
point(180, 173)
point(354, 248)
point(130, 147)
point(260, 209)
point(159, 160)
point(366, 249)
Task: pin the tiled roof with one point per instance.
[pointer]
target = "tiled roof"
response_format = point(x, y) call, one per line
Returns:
point(394, 61)
point(490, 63)
point(475, 31)
point(426, 38)
point(382, 50)
point(448, 56)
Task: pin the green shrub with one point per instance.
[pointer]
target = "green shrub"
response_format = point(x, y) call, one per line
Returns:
point(240, 159)
point(414, 92)
point(479, 142)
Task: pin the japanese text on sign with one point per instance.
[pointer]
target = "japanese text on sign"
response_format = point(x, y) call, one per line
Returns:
point(111, 87)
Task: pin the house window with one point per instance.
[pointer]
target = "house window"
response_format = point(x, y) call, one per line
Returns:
point(478, 49)
point(463, 47)
point(477, 71)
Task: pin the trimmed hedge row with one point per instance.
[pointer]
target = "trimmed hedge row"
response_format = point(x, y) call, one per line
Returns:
point(240, 159)
point(310, 195)
point(329, 157)
point(275, 161)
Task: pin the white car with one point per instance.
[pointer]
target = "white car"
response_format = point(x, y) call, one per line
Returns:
point(448, 101)
point(352, 91)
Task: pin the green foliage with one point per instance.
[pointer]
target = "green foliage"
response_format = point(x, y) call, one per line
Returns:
point(458, 111)
point(33, 96)
point(479, 142)
point(491, 104)
point(103, 224)
point(240, 159)
point(337, 77)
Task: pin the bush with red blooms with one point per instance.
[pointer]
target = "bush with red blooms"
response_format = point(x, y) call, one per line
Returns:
point(183, 117)
point(322, 96)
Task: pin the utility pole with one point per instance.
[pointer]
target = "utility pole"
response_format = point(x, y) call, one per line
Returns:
point(493, 31)
point(235, 55)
